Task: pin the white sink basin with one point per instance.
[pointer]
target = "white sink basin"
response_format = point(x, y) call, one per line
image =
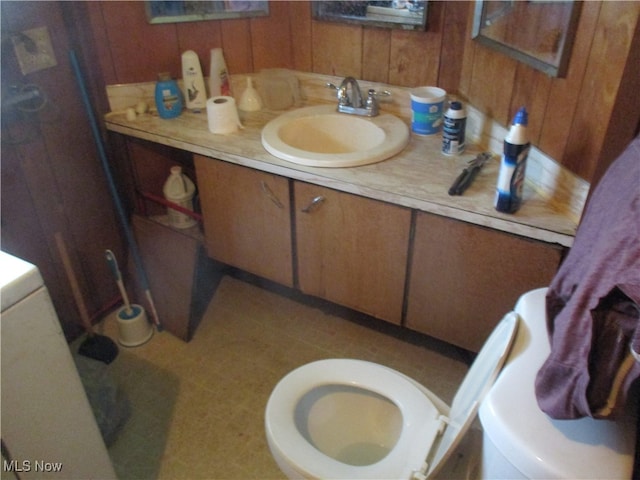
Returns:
point(321, 137)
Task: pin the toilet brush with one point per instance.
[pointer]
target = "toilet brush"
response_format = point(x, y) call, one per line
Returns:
point(111, 260)
point(133, 326)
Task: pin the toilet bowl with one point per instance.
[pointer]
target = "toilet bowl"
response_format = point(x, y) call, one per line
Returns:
point(345, 418)
point(339, 419)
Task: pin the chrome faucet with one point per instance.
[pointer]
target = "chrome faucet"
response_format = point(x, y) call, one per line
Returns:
point(354, 104)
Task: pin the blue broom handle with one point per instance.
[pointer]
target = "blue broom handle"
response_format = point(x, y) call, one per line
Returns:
point(112, 187)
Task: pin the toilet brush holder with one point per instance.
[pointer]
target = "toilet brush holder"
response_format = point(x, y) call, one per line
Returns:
point(134, 328)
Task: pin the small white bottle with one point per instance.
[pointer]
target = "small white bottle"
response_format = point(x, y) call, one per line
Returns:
point(218, 75)
point(179, 189)
point(195, 94)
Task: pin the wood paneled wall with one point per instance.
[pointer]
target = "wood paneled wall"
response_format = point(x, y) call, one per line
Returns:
point(573, 119)
point(52, 179)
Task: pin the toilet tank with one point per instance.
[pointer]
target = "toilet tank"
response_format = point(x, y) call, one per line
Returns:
point(521, 441)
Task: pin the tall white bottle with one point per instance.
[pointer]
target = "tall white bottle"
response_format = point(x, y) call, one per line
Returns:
point(218, 75)
point(195, 94)
point(179, 189)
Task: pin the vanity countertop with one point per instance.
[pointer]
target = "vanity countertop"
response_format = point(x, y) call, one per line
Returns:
point(419, 177)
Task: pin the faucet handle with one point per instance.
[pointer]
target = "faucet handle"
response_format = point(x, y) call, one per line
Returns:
point(371, 103)
point(341, 93)
point(382, 93)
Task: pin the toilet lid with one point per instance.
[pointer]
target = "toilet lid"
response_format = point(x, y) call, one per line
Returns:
point(474, 387)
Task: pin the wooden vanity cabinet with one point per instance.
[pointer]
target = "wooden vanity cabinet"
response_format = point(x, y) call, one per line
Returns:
point(247, 218)
point(352, 250)
point(464, 278)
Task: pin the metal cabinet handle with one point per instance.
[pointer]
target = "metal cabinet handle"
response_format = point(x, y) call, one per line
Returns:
point(270, 194)
point(313, 204)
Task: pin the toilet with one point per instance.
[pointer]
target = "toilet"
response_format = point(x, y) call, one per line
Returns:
point(352, 419)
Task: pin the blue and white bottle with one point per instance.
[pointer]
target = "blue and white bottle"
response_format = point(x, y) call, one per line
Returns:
point(513, 165)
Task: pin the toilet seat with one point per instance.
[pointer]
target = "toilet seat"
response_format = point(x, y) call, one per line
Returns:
point(421, 420)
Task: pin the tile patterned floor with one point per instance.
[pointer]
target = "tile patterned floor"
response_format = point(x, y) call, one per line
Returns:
point(197, 407)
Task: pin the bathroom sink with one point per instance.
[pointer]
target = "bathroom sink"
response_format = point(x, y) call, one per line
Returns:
point(321, 137)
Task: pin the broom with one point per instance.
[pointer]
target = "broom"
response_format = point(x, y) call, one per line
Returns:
point(98, 347)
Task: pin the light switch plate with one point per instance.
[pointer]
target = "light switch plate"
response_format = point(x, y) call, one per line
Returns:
point(34, 50)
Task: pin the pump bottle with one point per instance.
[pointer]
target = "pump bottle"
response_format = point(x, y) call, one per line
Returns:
point(513, 165)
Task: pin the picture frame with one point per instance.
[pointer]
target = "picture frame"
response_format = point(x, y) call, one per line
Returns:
point(174, 11)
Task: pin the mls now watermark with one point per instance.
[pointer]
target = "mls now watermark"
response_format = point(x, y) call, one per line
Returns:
point(31, 466)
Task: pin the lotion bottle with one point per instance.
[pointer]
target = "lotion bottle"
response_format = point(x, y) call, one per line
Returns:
point(195, 93)
point(513, 165)
point(218, 75)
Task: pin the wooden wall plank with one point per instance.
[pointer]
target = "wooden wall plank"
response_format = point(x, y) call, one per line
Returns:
point(200, 37)
point(376, 49)
point(300, 25)
point(236, 44)
point(415, 56)
point(271, 38)
point(468, 55)
point(140, 50)
point(341, 52)
point(98, 31)
point(531, 90)
point(453, 43)
point(565, 92)
point(627, 111)
point(492, 83)
point(607, 59)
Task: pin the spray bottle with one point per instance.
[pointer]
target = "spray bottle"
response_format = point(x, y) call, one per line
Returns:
point(512, 167)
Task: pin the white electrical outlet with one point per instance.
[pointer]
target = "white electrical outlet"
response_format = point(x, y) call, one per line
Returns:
point(34, 50)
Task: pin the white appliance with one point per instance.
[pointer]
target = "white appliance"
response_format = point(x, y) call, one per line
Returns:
point(47, 424)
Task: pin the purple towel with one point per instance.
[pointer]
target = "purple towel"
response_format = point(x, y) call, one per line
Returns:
point(593, 316)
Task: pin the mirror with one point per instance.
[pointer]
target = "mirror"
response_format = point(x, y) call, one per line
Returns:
point(539, 33)
point(173, 11)
point(405, 14)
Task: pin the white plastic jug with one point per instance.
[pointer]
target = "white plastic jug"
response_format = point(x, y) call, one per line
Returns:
point(179, 189)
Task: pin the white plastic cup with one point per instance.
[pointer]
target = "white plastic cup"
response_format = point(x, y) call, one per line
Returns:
point(426, 110)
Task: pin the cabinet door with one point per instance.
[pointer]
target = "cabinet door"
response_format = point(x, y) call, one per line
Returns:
point(352, 250)
point(465, 278)
point(247, 218)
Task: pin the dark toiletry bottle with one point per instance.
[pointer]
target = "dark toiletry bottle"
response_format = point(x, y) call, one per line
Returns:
point(168, 97)
point(512, 167)
point(453, 129)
